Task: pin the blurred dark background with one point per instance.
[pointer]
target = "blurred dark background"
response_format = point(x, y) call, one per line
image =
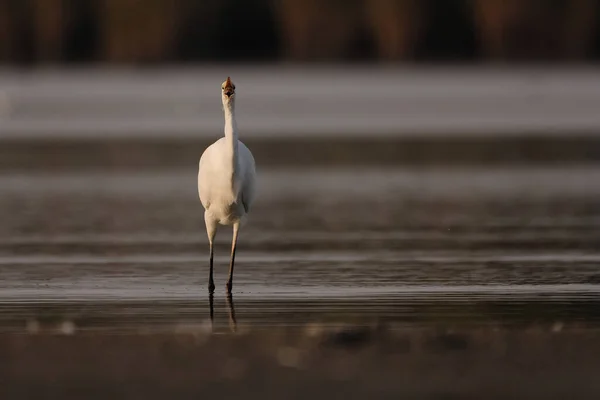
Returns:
point(36, 32)
point(429, 184)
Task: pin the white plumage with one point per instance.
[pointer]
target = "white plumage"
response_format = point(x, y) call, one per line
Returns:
point(226, 181)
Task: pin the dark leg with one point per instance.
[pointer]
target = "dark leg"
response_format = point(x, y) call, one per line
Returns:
point(211, 230)
point(236, 229)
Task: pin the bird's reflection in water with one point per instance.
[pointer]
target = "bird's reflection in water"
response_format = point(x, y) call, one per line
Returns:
point(211, 304)
point(230, 309)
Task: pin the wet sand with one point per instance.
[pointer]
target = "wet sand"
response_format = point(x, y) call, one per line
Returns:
point(282, 363)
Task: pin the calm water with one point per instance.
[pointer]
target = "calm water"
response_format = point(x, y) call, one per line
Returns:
point(128, 250)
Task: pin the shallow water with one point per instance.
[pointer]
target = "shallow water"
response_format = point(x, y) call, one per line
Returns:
point(127, 250)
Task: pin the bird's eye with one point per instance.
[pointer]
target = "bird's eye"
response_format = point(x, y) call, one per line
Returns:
point(233, 87)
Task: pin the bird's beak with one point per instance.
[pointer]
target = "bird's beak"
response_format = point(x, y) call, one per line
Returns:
point(228, 87)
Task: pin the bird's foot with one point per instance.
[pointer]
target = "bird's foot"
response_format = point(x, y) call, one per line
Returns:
point(211, 287)
point(229, 286)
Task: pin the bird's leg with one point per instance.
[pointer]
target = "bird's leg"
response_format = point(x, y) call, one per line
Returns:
point(211, 230)
point(236, 228)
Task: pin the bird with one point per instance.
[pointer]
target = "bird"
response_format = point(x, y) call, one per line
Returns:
point(226, 182)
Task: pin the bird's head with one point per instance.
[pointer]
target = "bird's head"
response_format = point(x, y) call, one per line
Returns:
point(228, 91)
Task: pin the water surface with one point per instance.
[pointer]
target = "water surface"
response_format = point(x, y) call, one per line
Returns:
point(127, 249)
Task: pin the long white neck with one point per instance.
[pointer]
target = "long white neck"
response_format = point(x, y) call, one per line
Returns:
point(231, 136)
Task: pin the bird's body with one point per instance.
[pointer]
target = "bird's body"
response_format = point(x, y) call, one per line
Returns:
point(226, 190)
point(226, 181)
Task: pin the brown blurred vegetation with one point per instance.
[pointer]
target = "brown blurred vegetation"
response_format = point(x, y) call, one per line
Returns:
point(153, 31)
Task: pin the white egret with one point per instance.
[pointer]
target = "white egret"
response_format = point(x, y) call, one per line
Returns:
point(226, 182)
